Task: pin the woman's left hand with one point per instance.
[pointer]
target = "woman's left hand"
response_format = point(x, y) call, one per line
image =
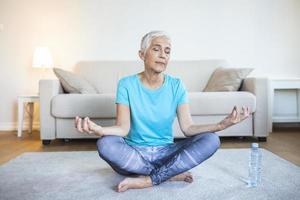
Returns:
point(234, 117)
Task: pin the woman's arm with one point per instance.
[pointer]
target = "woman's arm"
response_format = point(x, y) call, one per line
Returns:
point(121, 127)
point(188, 127)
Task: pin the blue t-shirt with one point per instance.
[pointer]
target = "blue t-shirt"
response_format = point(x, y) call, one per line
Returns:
point(152, 110)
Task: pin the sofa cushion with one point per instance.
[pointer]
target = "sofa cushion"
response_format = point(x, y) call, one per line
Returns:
point(84, 105)
point(103, 105)
point(73, 83)
point(226, 79)
point(218, 103)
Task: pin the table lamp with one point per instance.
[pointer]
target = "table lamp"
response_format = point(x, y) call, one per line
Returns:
point(42, 59)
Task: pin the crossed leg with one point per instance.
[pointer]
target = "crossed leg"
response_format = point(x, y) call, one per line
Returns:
point(178, 159)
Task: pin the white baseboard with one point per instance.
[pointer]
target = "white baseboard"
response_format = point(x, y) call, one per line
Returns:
point(13, 126)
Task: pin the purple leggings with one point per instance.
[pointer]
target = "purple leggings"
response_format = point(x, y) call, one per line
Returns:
point(159, 162)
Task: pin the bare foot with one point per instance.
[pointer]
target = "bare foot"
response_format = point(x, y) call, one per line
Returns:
point(185, 176)
point(134, 183)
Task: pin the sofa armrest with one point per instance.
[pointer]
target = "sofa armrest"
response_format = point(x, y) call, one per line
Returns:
point(47, 90)
point(259, 86)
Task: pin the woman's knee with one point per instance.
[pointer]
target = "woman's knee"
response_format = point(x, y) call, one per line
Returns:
point(213, 140)
point(108, 145)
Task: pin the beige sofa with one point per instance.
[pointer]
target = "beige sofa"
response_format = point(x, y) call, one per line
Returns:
point(58, 109)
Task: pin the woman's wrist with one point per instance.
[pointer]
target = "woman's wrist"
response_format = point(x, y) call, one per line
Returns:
point(99, 130)
point(220, 127)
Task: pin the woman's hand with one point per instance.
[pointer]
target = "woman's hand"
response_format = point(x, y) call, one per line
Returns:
point(87, 126)
point(234, 117)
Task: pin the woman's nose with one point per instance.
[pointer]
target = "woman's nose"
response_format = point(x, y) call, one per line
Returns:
point(162, 54)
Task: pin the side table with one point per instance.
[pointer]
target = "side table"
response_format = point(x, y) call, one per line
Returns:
point(283, 84)
point(23, 101)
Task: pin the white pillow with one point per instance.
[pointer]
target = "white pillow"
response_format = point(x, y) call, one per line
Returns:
point(226, 79)
point(73, 83)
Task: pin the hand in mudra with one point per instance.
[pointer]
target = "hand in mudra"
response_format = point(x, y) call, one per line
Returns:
point(234, 117)
point(87, 126)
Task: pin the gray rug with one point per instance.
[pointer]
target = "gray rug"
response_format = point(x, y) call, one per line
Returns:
point(83, 175)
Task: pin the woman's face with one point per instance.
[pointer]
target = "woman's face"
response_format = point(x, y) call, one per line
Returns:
point(157, 55)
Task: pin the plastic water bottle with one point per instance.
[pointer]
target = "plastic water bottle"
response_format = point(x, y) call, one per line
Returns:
point(255, 157)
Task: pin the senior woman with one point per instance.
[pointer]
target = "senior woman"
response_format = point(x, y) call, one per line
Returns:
point(140, 145)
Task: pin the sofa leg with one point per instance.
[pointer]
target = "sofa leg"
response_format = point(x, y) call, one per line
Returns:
point(262, 139)
point(46, 142)
point(67, 140)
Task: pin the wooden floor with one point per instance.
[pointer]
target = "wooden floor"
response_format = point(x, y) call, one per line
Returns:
point(283, 142)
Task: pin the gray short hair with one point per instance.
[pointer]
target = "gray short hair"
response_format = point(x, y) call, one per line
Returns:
point(147, 39)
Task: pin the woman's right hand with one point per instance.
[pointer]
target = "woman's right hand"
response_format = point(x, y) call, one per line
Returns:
point(87, 126)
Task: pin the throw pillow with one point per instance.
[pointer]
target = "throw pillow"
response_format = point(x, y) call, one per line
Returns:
point(73, 83)
point(226, 79)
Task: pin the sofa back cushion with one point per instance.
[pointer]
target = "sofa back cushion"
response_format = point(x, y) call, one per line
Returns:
point(104, 75)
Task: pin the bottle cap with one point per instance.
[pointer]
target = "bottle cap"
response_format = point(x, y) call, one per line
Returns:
point(254, 145)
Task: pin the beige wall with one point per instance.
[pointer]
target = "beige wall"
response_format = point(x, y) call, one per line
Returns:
point(263, 34)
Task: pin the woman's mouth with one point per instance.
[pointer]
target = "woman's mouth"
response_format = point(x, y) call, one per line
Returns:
point(161, 63)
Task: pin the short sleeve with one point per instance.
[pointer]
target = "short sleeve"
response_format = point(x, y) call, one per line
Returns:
point(182, 96)
point(122, 94)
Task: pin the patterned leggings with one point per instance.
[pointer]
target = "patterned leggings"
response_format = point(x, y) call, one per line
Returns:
point(159, 162)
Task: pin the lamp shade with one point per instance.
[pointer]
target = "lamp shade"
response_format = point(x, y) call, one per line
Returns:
point(42, 58)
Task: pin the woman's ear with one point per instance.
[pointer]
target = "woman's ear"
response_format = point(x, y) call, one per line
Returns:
point(141, 54)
